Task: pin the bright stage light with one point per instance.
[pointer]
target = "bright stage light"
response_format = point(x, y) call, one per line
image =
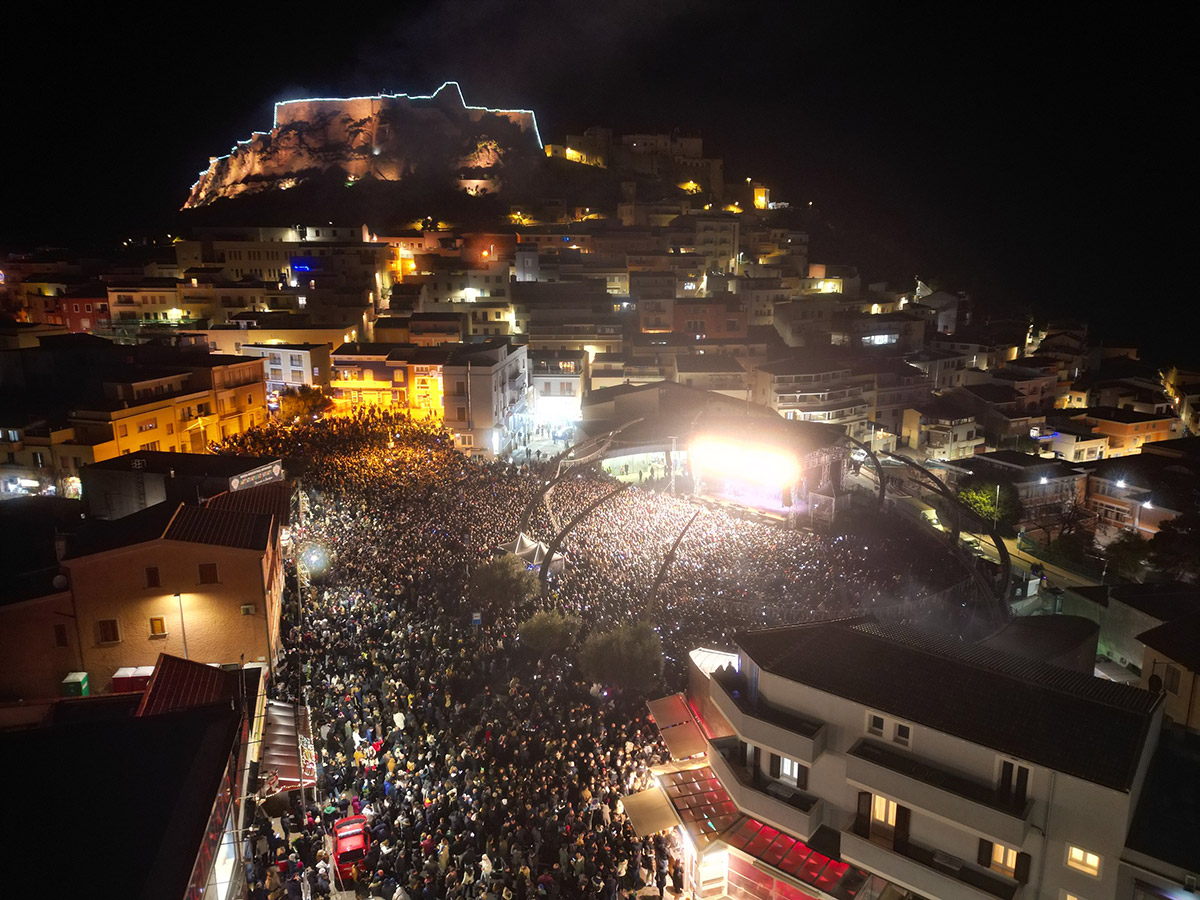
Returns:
point(758, 465)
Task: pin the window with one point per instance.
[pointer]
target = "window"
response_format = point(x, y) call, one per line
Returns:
point(1004, 859)
point(792, 771)
point(875, 724)
point(158, 626)
point(208, 573)
point(1014, 780)
point(122, 430)
point(1083, 860)
point(902, 734)
point(1171, 679)
point(883, 812)
point(152, 577)
point(107, 631)
point(60, 635)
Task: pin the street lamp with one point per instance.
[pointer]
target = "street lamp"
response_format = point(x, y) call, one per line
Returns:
point(182, 624)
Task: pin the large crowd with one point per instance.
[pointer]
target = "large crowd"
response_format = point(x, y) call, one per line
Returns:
point(485, 772)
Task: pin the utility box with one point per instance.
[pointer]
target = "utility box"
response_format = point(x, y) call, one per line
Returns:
point(75, 685)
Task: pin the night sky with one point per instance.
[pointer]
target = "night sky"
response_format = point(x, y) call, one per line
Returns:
point(1037, 160)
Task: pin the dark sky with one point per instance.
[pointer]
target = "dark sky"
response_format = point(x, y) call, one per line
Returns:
point(1036, 157)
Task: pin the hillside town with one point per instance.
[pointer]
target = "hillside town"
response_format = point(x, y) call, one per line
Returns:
point(327, 525)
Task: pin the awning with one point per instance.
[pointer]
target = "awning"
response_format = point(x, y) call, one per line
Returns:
point(668, 712)
point(650, 812)
point(287, 746)
point(677, 726)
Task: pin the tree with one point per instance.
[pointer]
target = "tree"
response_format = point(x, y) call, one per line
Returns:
point(629, 656)
point(304, 403)
point(549, 631)
point(1176, 547)
point(1128, 555)
point(504, 583)
point(1076, 546)
point(979, 496)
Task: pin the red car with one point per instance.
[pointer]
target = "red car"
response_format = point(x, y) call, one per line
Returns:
point(351, 840)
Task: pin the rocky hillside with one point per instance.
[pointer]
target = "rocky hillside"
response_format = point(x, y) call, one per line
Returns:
point(384, 138)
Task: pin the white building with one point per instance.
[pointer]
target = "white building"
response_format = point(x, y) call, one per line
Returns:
point(880, 762)
point(486, 396)
point(293, 365)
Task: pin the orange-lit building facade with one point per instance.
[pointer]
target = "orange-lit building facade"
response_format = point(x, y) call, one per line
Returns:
point(1127, 430)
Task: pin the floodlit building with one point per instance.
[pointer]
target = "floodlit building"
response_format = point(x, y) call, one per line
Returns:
point(479, 391)
point(558, 379)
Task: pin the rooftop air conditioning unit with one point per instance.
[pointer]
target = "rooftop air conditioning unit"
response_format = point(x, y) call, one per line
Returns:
point(248, 609)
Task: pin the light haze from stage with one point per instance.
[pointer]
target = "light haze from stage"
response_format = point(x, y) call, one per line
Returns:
point(751, 463)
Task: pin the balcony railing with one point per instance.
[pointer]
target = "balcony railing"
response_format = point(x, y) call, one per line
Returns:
point(785, 732)
point(928, 872)
point(921, 784)
point(756, 795)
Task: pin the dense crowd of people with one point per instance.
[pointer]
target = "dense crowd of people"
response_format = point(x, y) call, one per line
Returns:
point(485, 772)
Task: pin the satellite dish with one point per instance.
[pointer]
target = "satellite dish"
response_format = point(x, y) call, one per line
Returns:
point(60, 582)
point(1155, 684)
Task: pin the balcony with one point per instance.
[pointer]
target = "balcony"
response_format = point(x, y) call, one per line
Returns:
point(929, 873)
point(756, 795)
point(783, 732)
point(940, 793)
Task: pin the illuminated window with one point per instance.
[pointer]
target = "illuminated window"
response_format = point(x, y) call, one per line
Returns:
point(107, 631)
point(1004, 859)
point(883, 811)
point(1083, 860)
point(792, 771)
point(158, 626)
point(152, 577)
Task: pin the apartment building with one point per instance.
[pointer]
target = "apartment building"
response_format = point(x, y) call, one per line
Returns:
point(1128, 430)
point(941, 430)
point(202, 581)
point(293, 365)
point(812, 390)
point(479, 391)
point(854, 759)
point(558, 381)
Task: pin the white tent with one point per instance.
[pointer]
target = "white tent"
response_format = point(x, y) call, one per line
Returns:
point(533, 552)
